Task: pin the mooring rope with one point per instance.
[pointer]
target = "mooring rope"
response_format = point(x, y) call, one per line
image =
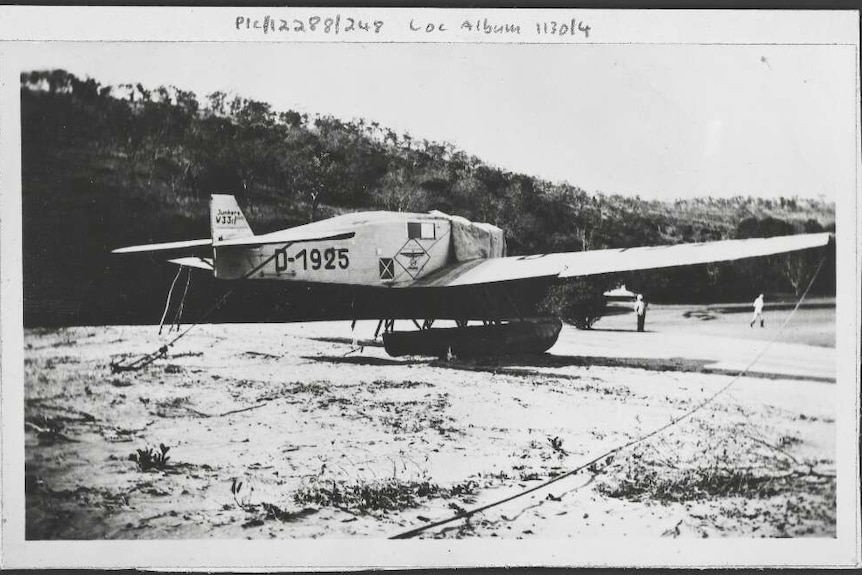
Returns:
point(608, 455)
point(168, 300)
point(149, 358)
point(179, 315)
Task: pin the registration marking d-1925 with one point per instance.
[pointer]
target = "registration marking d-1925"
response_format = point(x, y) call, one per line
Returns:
point(314, 259)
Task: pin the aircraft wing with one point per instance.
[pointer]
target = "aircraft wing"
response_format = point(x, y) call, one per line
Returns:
point(577, 264)
point(282, 237)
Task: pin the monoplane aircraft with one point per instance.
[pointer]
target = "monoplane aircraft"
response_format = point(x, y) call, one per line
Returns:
point(432, 266)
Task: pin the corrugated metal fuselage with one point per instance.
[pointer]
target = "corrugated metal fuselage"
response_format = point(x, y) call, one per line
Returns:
point(384, 250)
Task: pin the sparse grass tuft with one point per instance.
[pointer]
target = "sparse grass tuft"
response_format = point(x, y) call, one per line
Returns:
point(687, 467)
point(261, 512)
point(312, 387)
point(405, 384)
point(364, 497)
point(692, 484)
point(173, 402)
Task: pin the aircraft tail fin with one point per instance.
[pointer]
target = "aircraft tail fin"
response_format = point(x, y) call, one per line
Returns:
point(227, 222)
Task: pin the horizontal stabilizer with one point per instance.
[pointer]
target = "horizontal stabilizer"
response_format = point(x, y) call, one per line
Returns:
point(194, 262)
point(164, 247)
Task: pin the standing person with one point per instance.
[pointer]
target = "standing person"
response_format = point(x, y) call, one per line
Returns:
point(640, 310)
point(758, 311)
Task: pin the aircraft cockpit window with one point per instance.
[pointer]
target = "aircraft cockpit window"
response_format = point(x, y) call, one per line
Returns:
point(421, 230)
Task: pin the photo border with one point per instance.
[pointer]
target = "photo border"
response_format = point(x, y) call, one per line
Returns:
point(21, 25)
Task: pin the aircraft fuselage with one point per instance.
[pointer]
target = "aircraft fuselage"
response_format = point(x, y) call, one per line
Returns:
point(384, 249)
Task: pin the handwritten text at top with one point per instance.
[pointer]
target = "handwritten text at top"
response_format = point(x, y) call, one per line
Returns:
point(346, 25)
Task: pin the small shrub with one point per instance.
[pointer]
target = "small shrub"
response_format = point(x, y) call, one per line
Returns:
point(48, 429)
point(242, 501)
point(580, 303)
point(557, 445)
point(468, 487)
point(149, 459)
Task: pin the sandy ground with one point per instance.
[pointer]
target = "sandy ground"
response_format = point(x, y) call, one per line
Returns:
point(281, 431)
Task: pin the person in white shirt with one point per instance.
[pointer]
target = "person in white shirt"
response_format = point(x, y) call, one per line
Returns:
point(758, 311)
point(640, 310)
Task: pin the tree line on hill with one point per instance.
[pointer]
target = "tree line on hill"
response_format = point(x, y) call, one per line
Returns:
point(106, 166)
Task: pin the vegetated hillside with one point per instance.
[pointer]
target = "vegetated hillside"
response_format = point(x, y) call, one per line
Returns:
point(108, 166)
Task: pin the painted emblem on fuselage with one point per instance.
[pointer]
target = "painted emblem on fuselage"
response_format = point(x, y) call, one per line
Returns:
point(415, 254)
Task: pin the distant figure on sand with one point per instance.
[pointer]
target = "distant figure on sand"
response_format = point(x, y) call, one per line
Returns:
point(640, 310)
point(758, 311)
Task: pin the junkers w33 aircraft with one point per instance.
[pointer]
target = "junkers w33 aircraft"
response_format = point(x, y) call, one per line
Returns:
point(432, 266)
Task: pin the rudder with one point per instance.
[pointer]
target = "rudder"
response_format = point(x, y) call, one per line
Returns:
point(227, 221)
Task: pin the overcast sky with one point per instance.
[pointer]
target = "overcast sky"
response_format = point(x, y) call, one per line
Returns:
point(659, 121)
